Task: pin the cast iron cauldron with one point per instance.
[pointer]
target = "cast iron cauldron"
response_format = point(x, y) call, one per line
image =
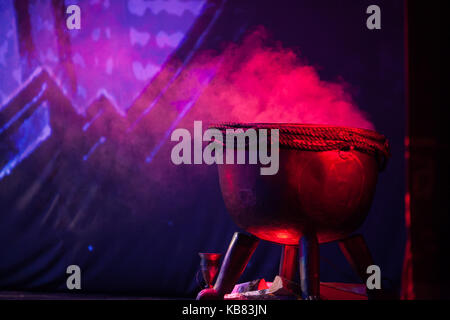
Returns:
point(322, 192)
point(325, 183)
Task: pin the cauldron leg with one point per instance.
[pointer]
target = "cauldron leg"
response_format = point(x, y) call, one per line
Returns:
point(238, 254)
point(358, 255)
point(309, 267)
point(288, 262)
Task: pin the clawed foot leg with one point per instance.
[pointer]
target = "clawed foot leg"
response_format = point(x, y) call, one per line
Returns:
point(309, 267)
point(236, 259)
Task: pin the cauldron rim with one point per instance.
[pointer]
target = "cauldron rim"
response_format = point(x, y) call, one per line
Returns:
point(322, 137)
point(274, 125)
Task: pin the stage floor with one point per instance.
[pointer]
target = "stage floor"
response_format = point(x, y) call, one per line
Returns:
point(21, 295)
point(329, 291)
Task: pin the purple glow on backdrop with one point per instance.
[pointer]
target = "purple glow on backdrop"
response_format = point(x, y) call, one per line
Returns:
point(134, 39)
point(131, 42)
point(31, 133)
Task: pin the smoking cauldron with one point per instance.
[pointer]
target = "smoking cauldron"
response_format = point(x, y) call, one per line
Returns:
point(322, 192)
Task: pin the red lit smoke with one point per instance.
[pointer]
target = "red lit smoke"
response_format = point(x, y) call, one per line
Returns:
point(261, 83)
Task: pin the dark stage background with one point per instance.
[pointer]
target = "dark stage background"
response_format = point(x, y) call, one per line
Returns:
point(86, 176)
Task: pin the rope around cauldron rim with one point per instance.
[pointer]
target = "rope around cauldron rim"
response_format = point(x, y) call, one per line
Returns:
point(322, 138)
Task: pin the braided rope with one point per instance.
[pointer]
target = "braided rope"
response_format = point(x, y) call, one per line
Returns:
point(322, 138)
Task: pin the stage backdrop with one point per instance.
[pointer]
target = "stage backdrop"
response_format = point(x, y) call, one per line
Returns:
point(85, 122)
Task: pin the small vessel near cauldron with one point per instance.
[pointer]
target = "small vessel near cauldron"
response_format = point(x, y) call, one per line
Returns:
point(321, 193)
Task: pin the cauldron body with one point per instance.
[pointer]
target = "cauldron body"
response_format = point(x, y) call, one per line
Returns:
point(326, 193)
